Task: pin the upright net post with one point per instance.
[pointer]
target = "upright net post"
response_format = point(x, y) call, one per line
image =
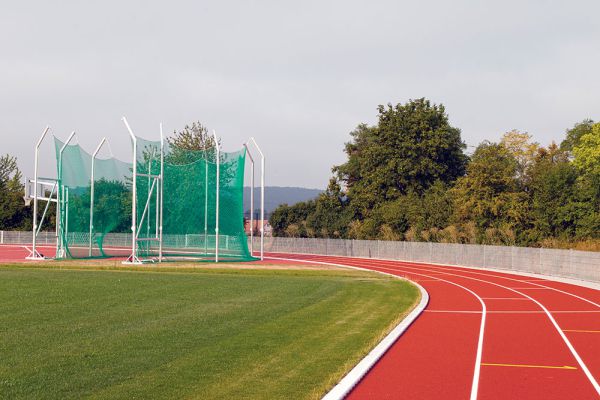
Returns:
point(262, 199)
point(34, 255)
point(218, 163)
point(60, 249)
point(162, 182)
point(251, 199)
point(205, 202)
point(92, 193)
point(133, 257)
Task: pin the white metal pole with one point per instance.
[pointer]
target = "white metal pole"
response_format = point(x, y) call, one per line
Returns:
point(92, 193)
point(218, 162)
point(133, 257)
point(149, 173)
point(262, 200)
point(162, 182)
point(34, 254)
point(251, 199)
point(61, 248)
point(66, 212)
point(205, 201)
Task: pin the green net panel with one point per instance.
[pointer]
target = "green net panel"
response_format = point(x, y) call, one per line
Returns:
point(111, 204)
point(188, 204)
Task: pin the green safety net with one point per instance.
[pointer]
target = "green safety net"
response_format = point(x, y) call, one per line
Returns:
point(189, 204)
point(111, 204)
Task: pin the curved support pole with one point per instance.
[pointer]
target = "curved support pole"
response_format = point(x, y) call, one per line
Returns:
point(133, 257)
point(92, 193)
point(60, 249)
point(262, 199)
point(34, 255)
point(251, 199)
point(218, 162)
point(162, 181)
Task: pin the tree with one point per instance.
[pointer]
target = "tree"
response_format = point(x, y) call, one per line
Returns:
point(412, 146)
point(191, 144)
point(331, 216)
point(284, 216)
point(520, 146)
point(587, 151)
point(194, 137)
point(12, 209)
point(554, 205)
point(489, 194)
point(575, 133)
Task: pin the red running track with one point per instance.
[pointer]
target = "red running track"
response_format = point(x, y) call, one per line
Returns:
point(487, 335)
point(484, 335)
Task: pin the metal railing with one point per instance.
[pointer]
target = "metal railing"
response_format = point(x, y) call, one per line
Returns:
point(575, 264)
point(120, 239)
point(582, 265)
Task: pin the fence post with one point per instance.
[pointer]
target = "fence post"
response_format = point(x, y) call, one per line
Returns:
point(430, 251)
point(456, 249)
point(484, 263)
point(1, 237)
point(570, 260)
point(512, 257)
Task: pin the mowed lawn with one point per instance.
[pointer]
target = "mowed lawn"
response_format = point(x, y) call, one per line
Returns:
point(201, 334)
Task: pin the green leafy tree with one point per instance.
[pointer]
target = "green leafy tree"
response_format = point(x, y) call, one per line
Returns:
point(193, 137)
point(524, 150)
point(191, 144)
point(587, 151)
point(412, 146)
point(331, 215)
point(13, 213)
point(489, 194)
point(554, 195)
point(284, 216)
point(575, 133)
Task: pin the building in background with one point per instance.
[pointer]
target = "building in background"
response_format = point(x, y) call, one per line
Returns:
point(257, 225)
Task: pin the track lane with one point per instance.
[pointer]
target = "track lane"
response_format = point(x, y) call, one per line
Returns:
point(582, 327)
point(575, 309)
point(531, 335)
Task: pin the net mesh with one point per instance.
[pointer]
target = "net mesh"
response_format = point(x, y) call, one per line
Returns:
point(189, 204)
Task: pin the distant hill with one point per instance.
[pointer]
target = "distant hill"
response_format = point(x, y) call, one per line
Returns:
point(277, 195)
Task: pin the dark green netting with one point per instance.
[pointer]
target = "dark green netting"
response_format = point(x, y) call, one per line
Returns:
point(112, 204)
point(189, 204)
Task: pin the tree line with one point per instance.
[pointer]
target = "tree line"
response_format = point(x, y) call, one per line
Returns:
point(408, 177)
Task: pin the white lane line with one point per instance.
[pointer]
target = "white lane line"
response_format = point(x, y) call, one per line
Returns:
point(469, 270)
point(473, 270)
point(504, 298)
point(476, 373)
point(550, 317)
point(454, 311)
point(352, 378)
point(516, 312)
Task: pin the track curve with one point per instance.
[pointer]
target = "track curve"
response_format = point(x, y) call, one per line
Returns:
point(487, 335)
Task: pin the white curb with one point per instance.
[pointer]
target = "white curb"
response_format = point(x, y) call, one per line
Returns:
point(351, 379)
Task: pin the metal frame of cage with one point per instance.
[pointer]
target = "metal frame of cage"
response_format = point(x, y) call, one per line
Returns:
point(60, 195)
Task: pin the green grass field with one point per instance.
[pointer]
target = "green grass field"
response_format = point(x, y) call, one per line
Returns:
point(197, 334)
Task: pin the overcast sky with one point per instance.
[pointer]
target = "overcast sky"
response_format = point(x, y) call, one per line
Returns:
point(299, 76)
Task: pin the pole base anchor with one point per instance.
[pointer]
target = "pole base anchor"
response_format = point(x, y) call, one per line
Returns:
point(132, 260)
point(35, 256)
